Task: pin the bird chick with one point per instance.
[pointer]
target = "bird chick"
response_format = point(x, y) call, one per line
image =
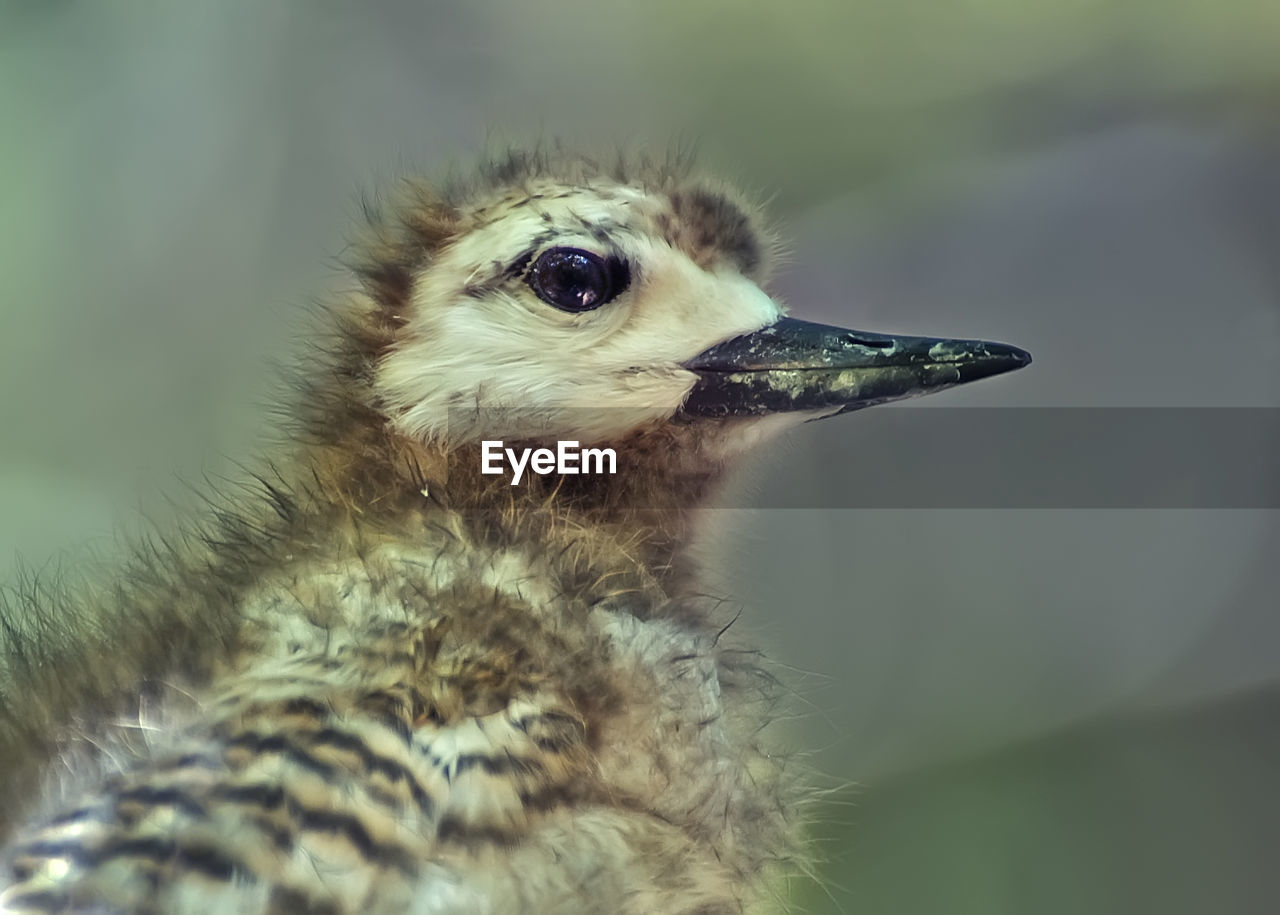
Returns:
point(390, 681)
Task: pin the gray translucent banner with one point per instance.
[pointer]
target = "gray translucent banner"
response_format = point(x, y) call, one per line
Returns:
point(930, 457)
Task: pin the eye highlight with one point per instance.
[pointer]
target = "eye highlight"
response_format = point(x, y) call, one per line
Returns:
point(575, 280)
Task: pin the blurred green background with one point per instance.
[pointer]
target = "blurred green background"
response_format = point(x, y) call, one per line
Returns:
point(1041, 711)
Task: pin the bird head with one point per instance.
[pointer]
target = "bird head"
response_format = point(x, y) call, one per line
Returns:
point(563, 301)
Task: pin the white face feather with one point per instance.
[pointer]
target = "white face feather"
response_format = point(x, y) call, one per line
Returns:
point(482, 356)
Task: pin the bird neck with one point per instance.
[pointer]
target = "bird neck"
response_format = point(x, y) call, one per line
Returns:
point(636, 522)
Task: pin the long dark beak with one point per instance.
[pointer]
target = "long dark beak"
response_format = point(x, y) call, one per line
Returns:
point(797, 365)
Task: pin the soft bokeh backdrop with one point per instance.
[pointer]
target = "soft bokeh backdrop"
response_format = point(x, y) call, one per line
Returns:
point(1051, 711)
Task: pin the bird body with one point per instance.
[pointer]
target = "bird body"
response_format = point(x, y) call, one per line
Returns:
point(386, 681)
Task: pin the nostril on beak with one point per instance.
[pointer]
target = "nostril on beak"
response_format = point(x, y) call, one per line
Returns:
point(866, 340)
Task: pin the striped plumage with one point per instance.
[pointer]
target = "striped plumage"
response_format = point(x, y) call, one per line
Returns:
point(428, 751)
point(383, 681)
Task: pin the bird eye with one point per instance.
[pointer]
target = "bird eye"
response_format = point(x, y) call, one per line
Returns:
point(574, 280)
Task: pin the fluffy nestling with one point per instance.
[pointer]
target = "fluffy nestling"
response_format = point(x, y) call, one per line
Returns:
point(387, 682)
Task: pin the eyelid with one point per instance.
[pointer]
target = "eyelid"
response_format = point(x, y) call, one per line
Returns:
point(578, 241)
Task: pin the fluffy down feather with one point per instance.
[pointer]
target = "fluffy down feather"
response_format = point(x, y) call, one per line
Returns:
point(379, 681)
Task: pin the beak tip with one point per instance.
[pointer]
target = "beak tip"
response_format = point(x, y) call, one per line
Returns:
point(1015, 357)
point(993, 359)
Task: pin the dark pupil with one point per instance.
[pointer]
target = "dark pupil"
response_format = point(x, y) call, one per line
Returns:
point(574, 280)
